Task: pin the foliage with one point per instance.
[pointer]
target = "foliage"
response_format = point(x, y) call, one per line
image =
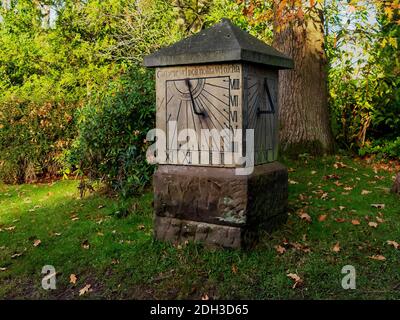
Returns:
point(112, 127)
point(364, 78)
point(46, 73)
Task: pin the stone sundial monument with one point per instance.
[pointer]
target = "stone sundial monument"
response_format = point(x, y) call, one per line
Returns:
point(218, 181)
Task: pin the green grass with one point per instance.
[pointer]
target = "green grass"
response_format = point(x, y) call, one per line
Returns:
point(123, 261)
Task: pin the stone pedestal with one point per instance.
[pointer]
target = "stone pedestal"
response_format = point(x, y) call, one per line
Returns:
point(216, 207)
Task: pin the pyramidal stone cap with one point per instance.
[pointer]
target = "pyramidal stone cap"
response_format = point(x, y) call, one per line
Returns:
point(223, 42)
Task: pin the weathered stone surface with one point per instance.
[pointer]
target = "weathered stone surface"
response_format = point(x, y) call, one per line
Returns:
point(217, 197)
point(221, 43)
point(177, 230)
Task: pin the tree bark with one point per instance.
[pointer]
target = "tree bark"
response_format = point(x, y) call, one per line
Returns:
point(396, 184)
point(304, 114)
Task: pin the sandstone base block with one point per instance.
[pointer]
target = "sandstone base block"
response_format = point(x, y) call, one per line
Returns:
point(215, 206)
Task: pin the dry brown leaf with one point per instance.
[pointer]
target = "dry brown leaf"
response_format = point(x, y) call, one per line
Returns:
point(37, 242)
point(292, 182)
point(280, 249)
point(322, 217)
point(337, 183)
point(378, 205)
point(393, 243)
point(205, 297)
point(101, 206)
point(340, 220)
point(305, 216)
point(338, 165)
point(373, 224)
point(324, 196)
point(380, 220)
point(377, 257)
point(72, 278)
point(348, 188)
point(355, 222)
point(234, 269)
point(341, 208)
point(141, 227)
point(336, 247)
point(85, 289)
point(365, 192)
point(10, 228)
point(297, 280)
point(85, 244)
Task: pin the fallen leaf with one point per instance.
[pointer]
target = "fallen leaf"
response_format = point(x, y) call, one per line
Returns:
point(305, 216)
point(348, 188)
point(280, 249)
point(322, 217)
point(297, 280)
point(292, 182)
point(37, 242)
point(85, 289)
point(101, 206)
point(324, 196)
point(336, 247)
point(337, 183)
point(355, 222)
point(365, 192)
point(3, 269)
point(380, 220)
point(234, 269)
point(341, 208)
point(10, 228)
point(378, 257)
point(85, 244)
point(16, 255)
point(72, 278)
point(205, 297)
point(372, 224)
point(338, 165)
point(332, 177)
point(340, 220)
point(313, 172)
point(378, 205)
point(393, 243)
point(141, 227)
point(300, 247)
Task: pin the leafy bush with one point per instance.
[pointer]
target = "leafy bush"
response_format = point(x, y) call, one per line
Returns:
point(364, 78)
point(32, 136)
point(111, 145)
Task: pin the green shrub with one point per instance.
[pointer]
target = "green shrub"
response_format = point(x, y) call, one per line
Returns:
point(111, 145)
point(31, 137)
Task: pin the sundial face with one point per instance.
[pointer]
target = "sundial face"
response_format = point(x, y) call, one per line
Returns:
point(261, 111)
point(199, 102)
point(203, 103)
point(220, 98)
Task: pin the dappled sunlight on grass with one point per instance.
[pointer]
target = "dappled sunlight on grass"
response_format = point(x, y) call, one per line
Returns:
point(340, 214)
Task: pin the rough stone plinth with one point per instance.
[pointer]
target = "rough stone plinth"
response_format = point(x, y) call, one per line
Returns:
point(217, 207)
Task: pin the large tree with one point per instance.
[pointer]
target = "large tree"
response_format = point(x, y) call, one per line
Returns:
point(303, 95)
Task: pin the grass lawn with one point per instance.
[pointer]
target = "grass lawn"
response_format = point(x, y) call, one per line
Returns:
point(330, 208)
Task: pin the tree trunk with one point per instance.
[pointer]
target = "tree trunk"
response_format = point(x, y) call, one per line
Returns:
point(304, 115)
point(396, 184)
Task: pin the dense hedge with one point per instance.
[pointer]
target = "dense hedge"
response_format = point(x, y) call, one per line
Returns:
point(112, 129)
